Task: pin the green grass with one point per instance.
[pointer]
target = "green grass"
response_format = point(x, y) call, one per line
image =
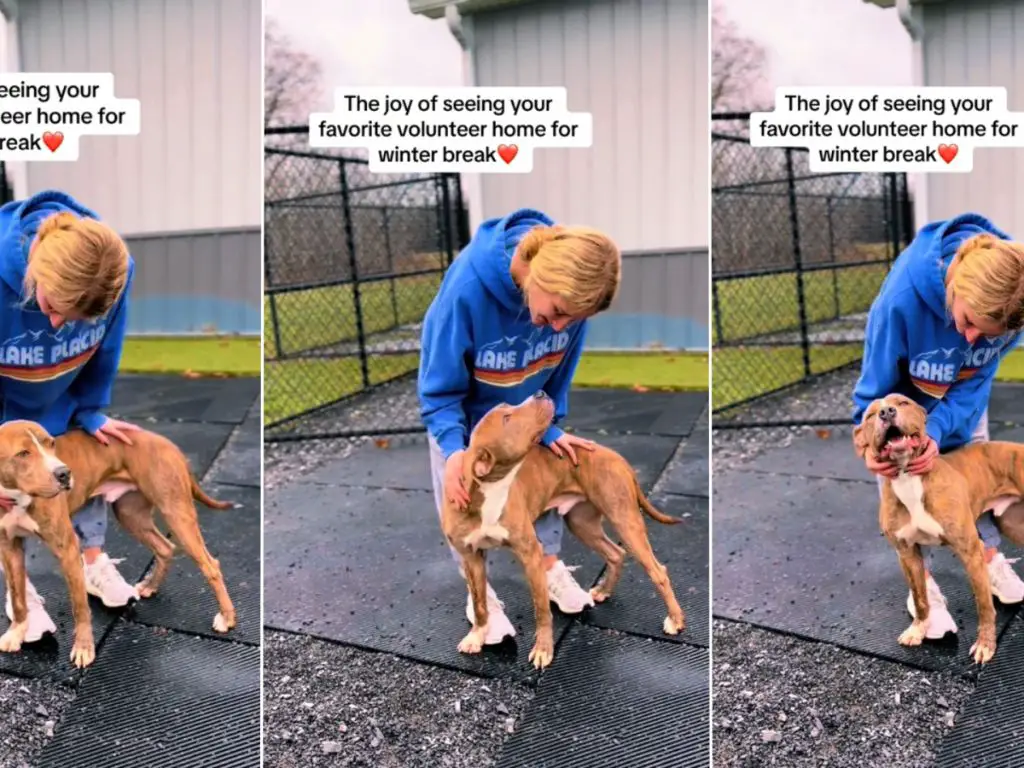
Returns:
point(1011, 369)
point(648, 370)
point(204, 355)
point(321, 317)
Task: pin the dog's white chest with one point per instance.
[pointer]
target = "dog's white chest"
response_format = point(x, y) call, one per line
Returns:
point(922, 529)
point(496, 497)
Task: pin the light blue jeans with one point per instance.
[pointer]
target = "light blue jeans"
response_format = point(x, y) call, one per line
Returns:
point(90, 522)
point(549, 526)
point(986, 524)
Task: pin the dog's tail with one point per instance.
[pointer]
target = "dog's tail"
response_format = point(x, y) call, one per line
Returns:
point(200, 495)
point(652, 511)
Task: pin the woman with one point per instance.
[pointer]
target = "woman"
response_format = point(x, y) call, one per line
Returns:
point(509, 320)
point(64, 282)
point(949, 310)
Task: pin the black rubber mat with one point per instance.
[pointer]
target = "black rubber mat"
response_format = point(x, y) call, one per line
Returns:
point(1006, 403)
point(636, 606)
point(185, 601)
point(176, 398)
point(239, 461)
point(687, 474)
point(612, 700)
point(200, 442)
point(49, 657)
point(405, 463)
point(368, 566)
point(815, 456)
point(673, 414)
point(989, 731)
point(805, 556)
point(163, 700)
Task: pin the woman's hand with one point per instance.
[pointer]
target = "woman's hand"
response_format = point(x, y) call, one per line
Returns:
point(454, 489)
point(115, 428)
point(564, 445)
point(881, 466)
point(923, 464)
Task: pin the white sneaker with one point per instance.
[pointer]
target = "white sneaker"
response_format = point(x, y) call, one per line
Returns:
point(102, 580)
point(498, 625)
point(39, 621)
point(564, 592)
point(940, 620)
point(1006, 585)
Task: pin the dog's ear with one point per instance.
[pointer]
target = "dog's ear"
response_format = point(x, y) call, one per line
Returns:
point(483, 463)
point(861, 438)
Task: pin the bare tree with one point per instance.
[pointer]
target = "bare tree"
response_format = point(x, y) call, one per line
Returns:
point(292, 80)
point(738, 64)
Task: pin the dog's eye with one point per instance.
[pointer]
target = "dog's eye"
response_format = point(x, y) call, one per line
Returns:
point(24, 454)
point(505, 418)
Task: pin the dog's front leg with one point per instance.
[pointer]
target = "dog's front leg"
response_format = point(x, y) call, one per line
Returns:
point(475, 567)
point(531, 555)
point(12, 551)
point(912, 564)
point(973, 558)
point(59, 536)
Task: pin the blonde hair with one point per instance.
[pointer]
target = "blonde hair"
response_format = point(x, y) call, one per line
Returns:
point(80, 263)
point(579, 264)
point(988, 274)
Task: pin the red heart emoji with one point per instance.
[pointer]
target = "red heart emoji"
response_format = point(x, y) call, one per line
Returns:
point(948, 151)
point(508, 152)
point(53, 140)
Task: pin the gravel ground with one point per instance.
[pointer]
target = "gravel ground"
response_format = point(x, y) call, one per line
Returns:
point(29, 711)
point(780, 701)
point(330, 705)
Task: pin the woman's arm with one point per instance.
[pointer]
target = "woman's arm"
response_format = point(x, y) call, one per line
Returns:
point(560, 383)
point(94, 384)
point(444, 377)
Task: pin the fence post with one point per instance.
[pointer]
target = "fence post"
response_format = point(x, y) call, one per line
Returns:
point(268, 280)
point(832, 256)
point(800, 299)
point(461, 215)
point(446, 205)
point(894, 214)
point(907, 219)
point(717, 309)
point(391, 261)
point(357, 299)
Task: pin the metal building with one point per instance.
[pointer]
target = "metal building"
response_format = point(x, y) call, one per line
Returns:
point(186, 193)
point(969, 43)
point(640, 68)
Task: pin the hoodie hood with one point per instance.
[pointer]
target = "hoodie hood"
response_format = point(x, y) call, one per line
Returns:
point(19, 222)
point(932, 251)
point(492, 247)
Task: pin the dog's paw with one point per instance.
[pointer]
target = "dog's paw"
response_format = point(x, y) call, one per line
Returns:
point(598, 595)
point(983, 651)
point(223, 624)
point(473, 642)
point(83, 653)
point(542, 654)
point(143, 590)
point(914, 634)
point(673, 626)
point(11, 640)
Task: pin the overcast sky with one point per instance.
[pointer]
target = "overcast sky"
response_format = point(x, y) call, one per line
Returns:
point(810, 42)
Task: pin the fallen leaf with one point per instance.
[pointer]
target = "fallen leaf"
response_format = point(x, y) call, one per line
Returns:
point(190, 374)
point(640, 388)
point(382, 442)
point(824, 434)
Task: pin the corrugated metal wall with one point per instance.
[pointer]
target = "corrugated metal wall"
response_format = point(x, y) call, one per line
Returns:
point(640, 67)
point(972, 43)
point(196, 165)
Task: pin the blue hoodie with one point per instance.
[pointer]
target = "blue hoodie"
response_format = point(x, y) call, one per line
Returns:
point(912, 345)
point(59, 378)
point(480, 347)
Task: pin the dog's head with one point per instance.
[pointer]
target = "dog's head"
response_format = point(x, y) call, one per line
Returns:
point(505, 435)
point(893, 428)
point(28, 465)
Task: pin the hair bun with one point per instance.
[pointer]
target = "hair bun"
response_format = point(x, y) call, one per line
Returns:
point(535, 239)
point(978, 242)
point(56, 222)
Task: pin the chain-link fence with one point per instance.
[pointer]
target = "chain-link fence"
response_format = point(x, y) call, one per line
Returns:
point(797, 259)
point(352, 260)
